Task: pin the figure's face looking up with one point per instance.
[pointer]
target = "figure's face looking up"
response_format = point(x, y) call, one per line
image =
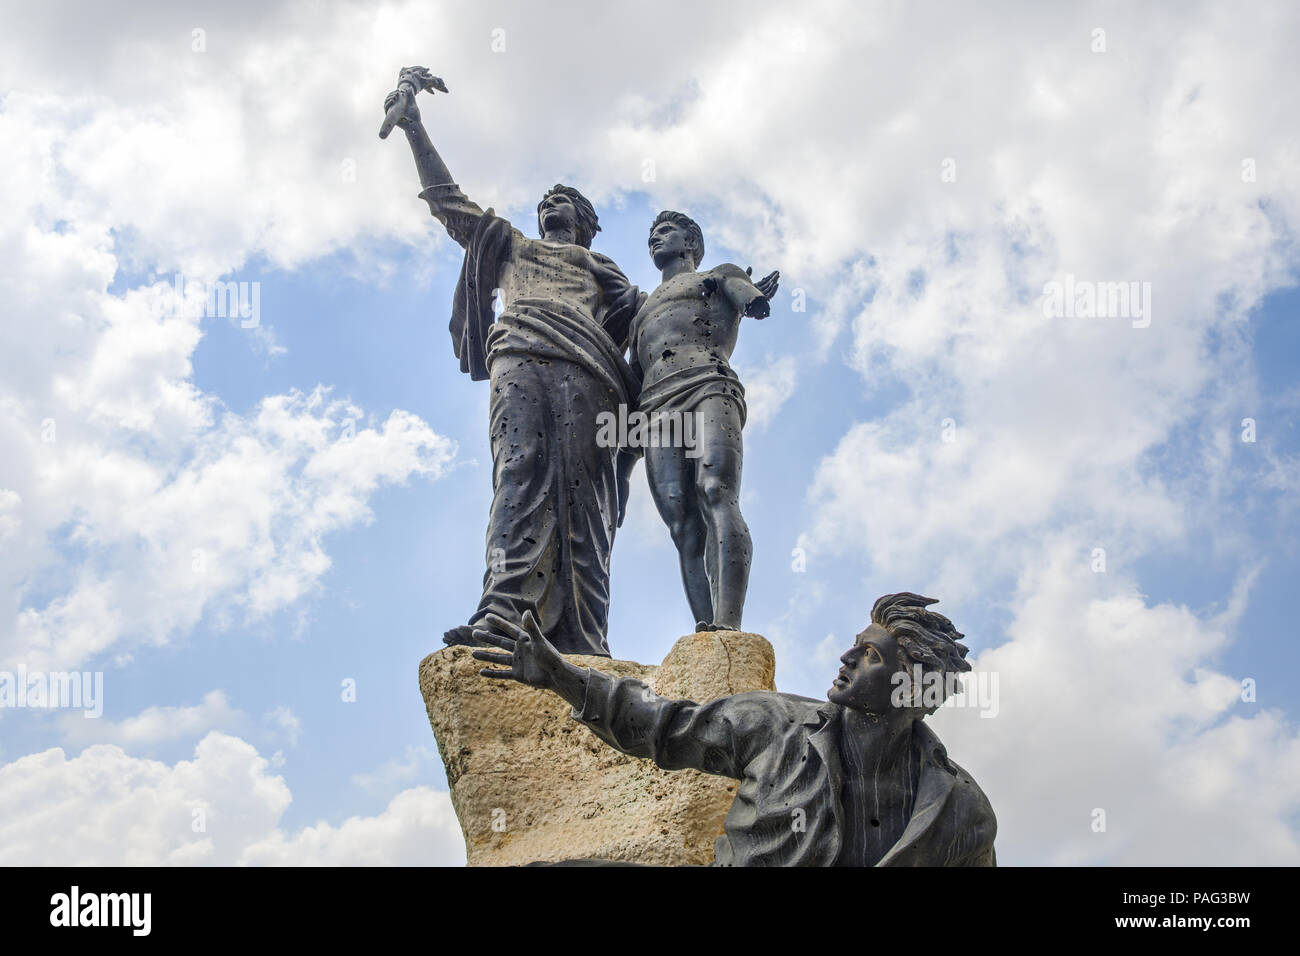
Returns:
point(668, 243)
point(558, 214)
point(865, 682)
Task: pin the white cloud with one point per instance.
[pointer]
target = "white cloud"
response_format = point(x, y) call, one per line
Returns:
point(154, 725)
point(1107, 702)
point(232, 522)
point(107, 808)
point(397, 771)
point(418, 828)
point(287, 722)
point(767, 388)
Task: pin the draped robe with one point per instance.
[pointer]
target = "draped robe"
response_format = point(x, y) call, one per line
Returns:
point(554, 361)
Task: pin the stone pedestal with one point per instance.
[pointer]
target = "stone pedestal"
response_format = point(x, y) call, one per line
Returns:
point(531, 784)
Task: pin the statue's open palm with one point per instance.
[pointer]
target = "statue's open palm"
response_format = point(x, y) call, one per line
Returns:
point(529, 657)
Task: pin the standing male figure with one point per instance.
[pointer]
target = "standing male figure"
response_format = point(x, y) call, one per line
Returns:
point(857, 779)
point(681, 341)
point(554, 358)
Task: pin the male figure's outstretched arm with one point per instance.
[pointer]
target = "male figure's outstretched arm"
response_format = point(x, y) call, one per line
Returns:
point(746, 296)
point(676, 734)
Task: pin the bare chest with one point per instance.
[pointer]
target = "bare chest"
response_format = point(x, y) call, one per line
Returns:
point(687, 312)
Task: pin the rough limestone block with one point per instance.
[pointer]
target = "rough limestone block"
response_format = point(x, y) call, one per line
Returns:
point(531, 784)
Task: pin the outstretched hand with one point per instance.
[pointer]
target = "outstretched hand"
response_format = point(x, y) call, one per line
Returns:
point(410, 81)
point(769, 284)
point(526, 653)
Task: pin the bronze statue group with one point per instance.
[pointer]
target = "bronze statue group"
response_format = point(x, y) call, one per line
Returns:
point(855, 779)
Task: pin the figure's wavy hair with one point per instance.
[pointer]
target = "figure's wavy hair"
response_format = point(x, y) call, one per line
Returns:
point(588, 223)
point(926, 637)
point(693, 231)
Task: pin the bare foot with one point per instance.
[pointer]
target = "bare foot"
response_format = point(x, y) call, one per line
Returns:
point(463, 636)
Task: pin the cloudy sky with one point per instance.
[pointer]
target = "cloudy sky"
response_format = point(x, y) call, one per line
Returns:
point(238, 519)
